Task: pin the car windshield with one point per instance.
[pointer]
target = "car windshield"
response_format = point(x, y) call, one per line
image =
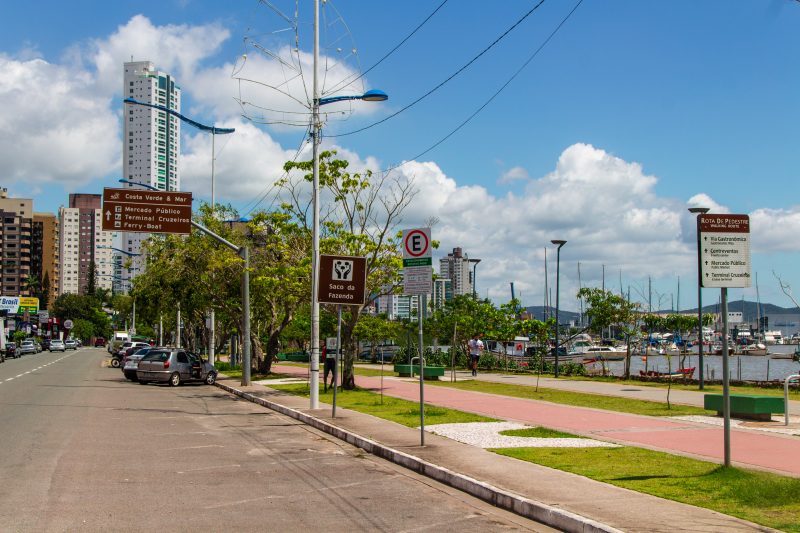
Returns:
point(143, 351)
point(156, 356)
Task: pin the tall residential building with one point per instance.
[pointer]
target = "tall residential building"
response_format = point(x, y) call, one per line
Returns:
point(82, 241)
point(151, 141)
point(398, 306)
point(45, 258)
point(16, 226)
point(456, 267)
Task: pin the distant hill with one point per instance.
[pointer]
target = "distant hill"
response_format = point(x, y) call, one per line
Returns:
point(747, 308)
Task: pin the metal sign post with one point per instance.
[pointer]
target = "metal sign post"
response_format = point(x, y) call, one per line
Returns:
point(336, 359)
point(342, 281)
point(725, 263)
point(418, 280)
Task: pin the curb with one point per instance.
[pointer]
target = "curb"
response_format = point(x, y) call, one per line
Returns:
point(503, 499)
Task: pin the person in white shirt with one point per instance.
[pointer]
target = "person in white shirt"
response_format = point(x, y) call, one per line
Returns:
point(475, 351)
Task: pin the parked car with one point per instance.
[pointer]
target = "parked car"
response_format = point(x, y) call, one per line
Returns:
point(174, 366)
point(12, 350)
point(57, 345)
point(27, 347)
point(385, 352)
point(129, 344)
point(70, 344)
point(117, 359)
point(130, 364)
point(46, 343)
point(99, 342)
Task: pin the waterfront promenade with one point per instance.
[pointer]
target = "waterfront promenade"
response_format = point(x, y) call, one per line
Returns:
point(749, 448)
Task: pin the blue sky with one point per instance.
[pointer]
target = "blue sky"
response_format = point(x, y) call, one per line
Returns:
point(634, 111)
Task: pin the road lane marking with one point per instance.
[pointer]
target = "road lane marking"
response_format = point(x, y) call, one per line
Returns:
point(201, 469)
point(196, 447)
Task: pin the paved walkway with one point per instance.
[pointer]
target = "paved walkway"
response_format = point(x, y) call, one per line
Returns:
point(616, 508)
point(625, 390)
point(749, 449)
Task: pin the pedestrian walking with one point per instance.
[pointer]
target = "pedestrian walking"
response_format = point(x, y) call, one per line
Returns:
point(475, 351)
point(330, 366)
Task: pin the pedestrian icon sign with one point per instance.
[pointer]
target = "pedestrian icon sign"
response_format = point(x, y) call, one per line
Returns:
point(342, 270)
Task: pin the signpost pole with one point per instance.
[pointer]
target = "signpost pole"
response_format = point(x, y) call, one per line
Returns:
point(338, 351)
point(726, 392)
point(245, 252)
point(420, 318)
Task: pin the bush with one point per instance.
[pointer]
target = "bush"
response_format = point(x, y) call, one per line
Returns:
point(223, 366)
point(572, 369)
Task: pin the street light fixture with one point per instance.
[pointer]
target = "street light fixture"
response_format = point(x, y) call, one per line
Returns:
point(474, 279)
point(214, 132)
point(244, 253)
point(699, 211)
point(558, 243)
point(316, 128)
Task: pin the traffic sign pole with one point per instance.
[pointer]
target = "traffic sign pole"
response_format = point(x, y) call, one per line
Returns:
point(726, 386)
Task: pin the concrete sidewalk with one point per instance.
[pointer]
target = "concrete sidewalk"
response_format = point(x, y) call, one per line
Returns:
point(559, 499)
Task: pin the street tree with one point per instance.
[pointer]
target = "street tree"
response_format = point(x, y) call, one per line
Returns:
point(608, 309)
point(361, 218)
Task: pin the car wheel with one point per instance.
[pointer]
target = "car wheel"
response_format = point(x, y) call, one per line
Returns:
point(211, 378)
point(115, 363)
point(175, 379)
point(142, 382)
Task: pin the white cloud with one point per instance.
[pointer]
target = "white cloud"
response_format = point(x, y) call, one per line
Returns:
point(52, 128)
point(248, 163)
point(175, 48)
point(513, 174)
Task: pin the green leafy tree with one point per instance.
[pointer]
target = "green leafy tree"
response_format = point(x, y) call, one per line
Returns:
point(44, 292)
point(362, 218)
point(91, 279)
point(82, 329)
point(31, 285)
point(607, 309)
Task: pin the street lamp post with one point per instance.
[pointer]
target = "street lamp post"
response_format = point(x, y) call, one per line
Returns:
point(699, 211)
point(244, 253)
point(316, 128)
point(214, 132)
point(474, 280)
point(558, 243)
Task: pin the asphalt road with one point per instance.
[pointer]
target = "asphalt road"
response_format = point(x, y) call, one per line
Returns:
point(82, 449)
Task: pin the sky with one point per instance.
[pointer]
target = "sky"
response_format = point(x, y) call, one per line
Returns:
point(595, 122)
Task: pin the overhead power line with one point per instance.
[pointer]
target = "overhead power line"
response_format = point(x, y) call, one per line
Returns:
point(496, 93)
point(348, 81)
point(449, 78)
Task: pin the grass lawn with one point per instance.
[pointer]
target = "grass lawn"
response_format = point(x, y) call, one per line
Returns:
point(401, 411)
point(597, 401)
point(759, 497)
point(539, 433)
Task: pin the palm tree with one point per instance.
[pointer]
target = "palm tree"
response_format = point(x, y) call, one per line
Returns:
point(31, 285)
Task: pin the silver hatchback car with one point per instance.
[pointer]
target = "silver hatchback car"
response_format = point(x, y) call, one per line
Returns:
point(175, 366)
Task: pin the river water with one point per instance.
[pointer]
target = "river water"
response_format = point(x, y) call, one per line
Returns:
point(741, 367)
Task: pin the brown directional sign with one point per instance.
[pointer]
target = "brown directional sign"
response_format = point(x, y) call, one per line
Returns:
point(141, 211)
point(342, 279)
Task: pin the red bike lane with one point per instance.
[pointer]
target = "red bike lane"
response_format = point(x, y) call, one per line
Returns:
point(748, 448)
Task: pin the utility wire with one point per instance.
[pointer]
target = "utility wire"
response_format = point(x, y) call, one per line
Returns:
point(346, 82)
point(261, 197)
point(456, 73)
point(501, 89)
